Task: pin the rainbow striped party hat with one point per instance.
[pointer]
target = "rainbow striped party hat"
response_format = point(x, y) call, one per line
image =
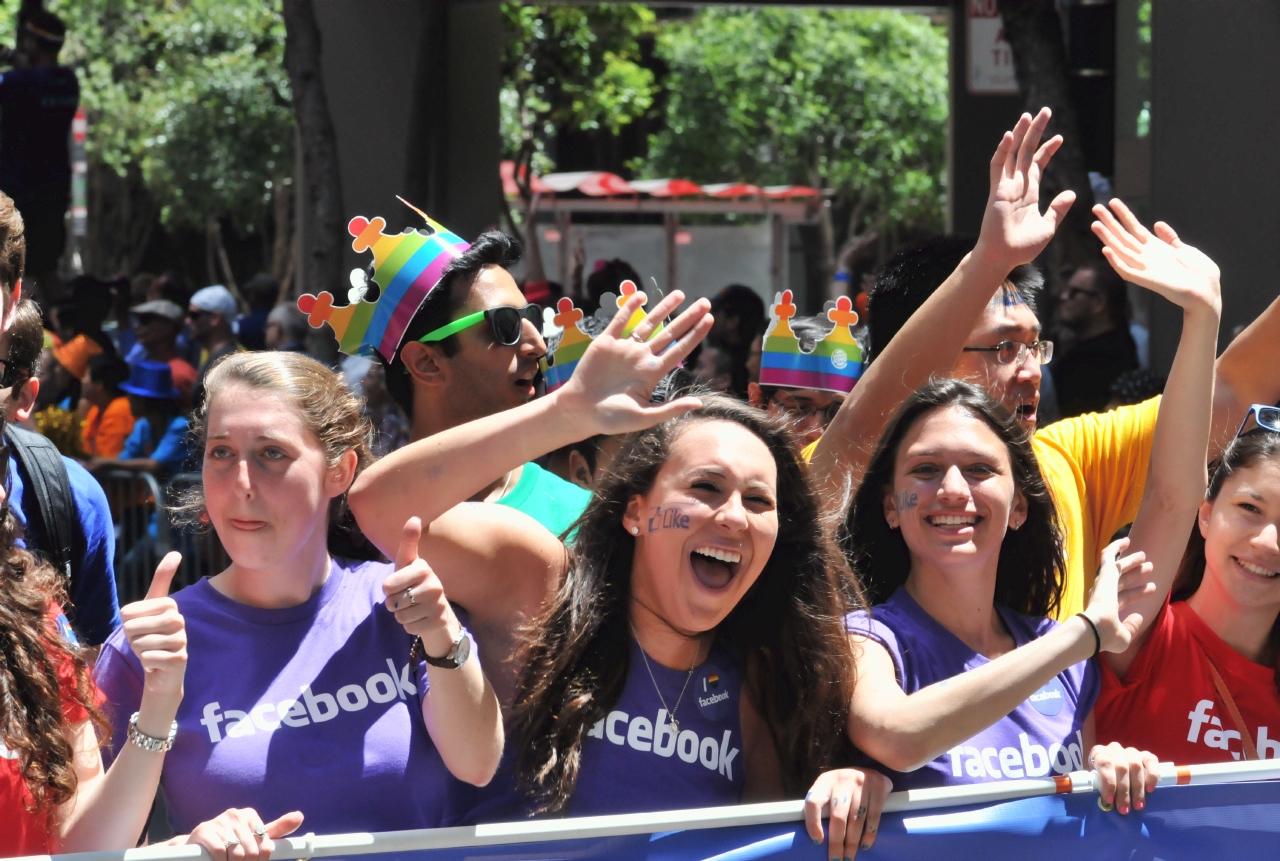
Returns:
point(407, 267)
point(562, 358)
point(834, 364)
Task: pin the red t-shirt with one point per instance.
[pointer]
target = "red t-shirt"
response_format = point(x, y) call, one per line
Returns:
point(1167, 703)
point(23, 832)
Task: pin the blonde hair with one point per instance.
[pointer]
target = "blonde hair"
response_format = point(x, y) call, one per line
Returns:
point(331, 413)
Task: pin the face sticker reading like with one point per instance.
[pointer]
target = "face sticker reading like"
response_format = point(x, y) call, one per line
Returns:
point(668, 517)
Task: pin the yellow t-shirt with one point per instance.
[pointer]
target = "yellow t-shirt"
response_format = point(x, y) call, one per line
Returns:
point(1095, 466)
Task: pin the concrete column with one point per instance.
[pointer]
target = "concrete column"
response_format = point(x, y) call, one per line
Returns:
point(1215, 118)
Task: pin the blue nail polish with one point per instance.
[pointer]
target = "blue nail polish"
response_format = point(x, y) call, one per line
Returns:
point(817, 841)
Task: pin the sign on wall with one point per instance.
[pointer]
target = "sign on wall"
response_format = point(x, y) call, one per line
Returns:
point(990, 56)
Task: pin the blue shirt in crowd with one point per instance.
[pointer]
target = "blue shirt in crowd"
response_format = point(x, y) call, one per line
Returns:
point(95, 609)
point(171, 449)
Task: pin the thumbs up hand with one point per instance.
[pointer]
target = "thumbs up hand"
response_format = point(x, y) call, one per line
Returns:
point(157, 634)
point(416, 596)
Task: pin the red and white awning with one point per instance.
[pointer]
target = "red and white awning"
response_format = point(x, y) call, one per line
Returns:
point(599, 183)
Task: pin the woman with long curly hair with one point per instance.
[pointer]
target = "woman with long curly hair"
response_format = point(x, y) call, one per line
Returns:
point(54, 793)
point(693, 652)
point(962, 678)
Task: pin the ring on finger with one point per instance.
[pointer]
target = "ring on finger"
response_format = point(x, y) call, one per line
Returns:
point(637, 337)
point(234, 841)
point(408, 593)
point(259, 831)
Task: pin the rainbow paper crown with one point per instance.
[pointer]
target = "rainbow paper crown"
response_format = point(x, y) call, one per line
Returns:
point(407, 267)
point(835, 362)
point(562, 357)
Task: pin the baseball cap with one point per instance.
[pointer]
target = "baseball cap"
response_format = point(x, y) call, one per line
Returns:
point(218, 300)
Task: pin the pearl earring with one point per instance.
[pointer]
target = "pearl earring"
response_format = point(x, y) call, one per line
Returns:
point(635, 530)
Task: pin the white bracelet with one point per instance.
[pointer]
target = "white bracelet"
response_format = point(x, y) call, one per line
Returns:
point(149, 742)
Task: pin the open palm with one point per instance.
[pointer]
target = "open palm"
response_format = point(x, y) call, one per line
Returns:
point(1161, 262)
point(610, 388)
point(1014, 230)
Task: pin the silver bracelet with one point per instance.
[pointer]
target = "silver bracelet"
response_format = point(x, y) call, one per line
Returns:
point(149, 742)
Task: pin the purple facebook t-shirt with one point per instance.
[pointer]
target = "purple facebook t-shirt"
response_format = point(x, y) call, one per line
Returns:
point(635, 760)
point(312, 708)
point(1042, 736)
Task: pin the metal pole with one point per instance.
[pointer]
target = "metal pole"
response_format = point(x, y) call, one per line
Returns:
point(778, 253)
point(670, 226)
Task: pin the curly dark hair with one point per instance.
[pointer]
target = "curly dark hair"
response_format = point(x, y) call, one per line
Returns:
point(788, 629)
point(33, 723)
point(1030, 574)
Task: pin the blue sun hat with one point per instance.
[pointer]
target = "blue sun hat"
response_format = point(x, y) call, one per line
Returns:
point(149, 379)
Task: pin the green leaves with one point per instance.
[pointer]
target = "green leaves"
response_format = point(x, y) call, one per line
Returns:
point(191, 93)
point(852, 100)
point(571, 67)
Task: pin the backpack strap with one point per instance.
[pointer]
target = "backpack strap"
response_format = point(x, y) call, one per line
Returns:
point(51, 522)
point(1246, 740)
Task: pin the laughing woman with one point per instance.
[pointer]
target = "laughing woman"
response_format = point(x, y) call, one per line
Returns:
point(694, 643)
point(961, 677)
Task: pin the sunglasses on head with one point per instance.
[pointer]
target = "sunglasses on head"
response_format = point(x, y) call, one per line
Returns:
point(1260, 416)
point(506, 322)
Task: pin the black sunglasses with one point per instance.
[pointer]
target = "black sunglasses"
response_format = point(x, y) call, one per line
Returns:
point(506, 321)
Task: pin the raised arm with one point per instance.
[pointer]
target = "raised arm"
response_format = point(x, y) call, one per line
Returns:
point(905, 731)
point(608, 393)
point(1248, 373)
point(1176, 478)
point(1013, 232)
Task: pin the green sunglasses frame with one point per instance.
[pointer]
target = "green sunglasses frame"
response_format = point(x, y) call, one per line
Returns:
point(472, 319)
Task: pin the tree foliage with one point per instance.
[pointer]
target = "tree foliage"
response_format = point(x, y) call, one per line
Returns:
point(850, 100)
point(189, 114)
point(571, 67)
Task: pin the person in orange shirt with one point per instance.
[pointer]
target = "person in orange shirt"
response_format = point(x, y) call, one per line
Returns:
point(108, 421)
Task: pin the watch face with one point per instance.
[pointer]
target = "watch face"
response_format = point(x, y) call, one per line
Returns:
point(463, 651)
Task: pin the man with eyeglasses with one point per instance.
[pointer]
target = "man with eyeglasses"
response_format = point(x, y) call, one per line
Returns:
point(809, 410)
point(472, 350)
point(957, 307)
point(1094, 308)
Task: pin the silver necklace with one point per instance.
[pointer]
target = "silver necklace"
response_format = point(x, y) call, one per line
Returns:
point(505, 485)
point(675, 725)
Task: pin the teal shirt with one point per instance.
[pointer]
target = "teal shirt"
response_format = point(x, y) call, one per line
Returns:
point(547, 498)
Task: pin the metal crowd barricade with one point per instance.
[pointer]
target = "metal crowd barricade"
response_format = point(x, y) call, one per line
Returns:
point(145, 531)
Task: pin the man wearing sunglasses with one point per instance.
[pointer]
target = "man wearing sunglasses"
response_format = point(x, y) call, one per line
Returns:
point(472, 350)
point(947, 307)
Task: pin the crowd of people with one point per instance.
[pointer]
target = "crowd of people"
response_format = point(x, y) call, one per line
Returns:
point(455, 598)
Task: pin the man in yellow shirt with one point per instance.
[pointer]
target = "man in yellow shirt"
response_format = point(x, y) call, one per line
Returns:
point(979, 324)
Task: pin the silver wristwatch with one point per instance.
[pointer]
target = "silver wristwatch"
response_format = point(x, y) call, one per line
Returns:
point(150, 742)
point(456, 657)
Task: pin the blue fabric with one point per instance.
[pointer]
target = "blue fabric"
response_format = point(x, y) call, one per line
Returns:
point(171, 450)
point(38, 105)
point(1180, 823)
point(95, 609)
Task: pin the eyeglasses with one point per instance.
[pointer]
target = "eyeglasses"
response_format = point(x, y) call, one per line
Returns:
point(506, 321)
point(1072, 292)
point(1015, 352)
point(802, 410)
point(1262, 416)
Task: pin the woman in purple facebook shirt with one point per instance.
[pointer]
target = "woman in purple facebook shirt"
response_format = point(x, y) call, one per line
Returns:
point(961, 677)
point(304, 690)
point(692, 652)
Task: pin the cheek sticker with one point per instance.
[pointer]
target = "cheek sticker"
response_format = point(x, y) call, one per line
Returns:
point(1050, 699)
point(711, 688)
point(668, 517)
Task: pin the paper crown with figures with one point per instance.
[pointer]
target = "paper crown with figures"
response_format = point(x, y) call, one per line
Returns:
point(834, 364)
point(569, 340)
point(406, 267)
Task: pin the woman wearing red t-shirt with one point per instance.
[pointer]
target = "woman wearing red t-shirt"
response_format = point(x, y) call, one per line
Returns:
point(1201, 686)
point(1198, 683)
point(54, 793)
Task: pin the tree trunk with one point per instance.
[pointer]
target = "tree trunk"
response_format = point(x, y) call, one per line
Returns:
point(325, 233)
point(1034, 31)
